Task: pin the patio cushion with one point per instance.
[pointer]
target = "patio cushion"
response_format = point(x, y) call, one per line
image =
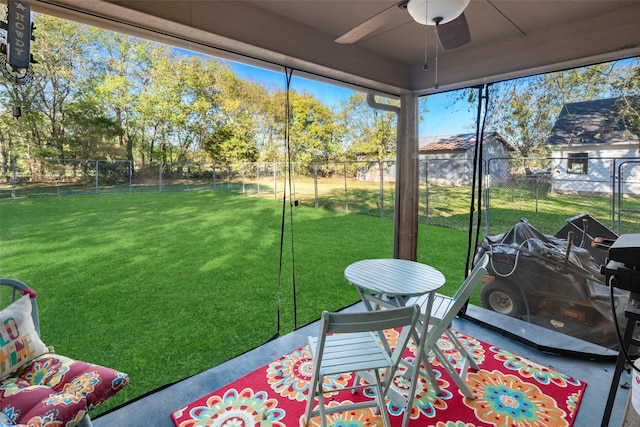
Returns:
point(52, 389)
point(19, 341)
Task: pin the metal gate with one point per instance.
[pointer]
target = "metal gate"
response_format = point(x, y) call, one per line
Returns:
point(627, 190)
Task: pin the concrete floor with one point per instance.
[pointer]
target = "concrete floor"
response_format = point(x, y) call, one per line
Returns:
point(153, 410)
point(631, 417)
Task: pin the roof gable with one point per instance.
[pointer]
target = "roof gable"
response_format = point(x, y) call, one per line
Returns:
point(592, 122)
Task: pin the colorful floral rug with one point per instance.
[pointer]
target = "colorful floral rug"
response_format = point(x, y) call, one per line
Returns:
point(509, 390)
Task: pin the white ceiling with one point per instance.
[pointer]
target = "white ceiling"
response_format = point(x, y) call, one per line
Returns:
point(509, 38)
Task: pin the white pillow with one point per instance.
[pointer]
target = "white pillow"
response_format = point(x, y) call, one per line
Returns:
point(19, 341)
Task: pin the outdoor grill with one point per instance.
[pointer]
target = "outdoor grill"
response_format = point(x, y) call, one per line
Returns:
point(623, 271)
point(623, 266)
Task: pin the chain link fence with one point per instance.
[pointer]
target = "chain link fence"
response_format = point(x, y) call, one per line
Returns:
point(546, 191)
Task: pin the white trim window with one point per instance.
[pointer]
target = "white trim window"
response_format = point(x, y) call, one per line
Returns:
point(578, 163)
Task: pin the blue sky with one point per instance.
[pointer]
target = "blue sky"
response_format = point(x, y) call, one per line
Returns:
point(444, 117)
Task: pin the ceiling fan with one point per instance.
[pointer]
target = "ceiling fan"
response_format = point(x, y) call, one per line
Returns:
point(447, 16)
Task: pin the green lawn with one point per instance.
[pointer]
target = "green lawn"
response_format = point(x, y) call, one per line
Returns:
point(166, 285)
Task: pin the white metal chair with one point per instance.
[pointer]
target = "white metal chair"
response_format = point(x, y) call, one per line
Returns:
point(443, 311)
point(353, 343)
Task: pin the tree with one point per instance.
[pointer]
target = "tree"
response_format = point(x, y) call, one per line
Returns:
point(311, 130)
point(15, 140)
point(224, 145)
point(120, 70)
point(235, 120)
point(627, 87)
point(370, 133)
point(58, 75)
point(100, 94)
point(161, 109)
point(89, 134)
point(523, 111)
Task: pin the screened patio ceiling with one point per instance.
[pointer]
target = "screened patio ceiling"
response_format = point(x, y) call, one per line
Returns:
point(375, 45)
point(511, 38)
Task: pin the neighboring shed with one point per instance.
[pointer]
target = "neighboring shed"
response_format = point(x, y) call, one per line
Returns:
point(589, 142)
point(449, 159)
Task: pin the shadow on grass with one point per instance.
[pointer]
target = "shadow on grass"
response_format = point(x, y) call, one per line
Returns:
point(166, 285)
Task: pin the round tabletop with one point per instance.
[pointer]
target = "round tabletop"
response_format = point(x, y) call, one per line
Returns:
point(394, 277)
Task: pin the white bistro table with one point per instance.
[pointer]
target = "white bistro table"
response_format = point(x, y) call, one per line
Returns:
point(390, 283)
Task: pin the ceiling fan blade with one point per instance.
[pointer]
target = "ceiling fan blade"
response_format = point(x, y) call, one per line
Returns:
point(373, 23)
point(454, 34)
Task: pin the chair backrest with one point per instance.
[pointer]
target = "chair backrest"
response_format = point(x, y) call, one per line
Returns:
point(474, 278)
point(17, 289)
point(368, 321)
point(460, 298)
point(371, 321)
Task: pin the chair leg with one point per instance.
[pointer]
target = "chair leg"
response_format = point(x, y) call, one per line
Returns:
point(85, 421)
point(424, 357)
point(432, 379)
point(380, 397)
point(356, 381)
point(310, 398)
point(323, 414)
point(463, 351)
point(412, 373)
point(457, 378)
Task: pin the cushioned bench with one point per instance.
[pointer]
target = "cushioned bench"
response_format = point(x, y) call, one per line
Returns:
point(38, 387)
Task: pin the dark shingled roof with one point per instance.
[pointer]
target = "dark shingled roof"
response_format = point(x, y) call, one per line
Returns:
point(591, 122)
point(448, 143)
point(461, 142)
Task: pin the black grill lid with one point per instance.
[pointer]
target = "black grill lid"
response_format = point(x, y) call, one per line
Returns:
point(626, 249)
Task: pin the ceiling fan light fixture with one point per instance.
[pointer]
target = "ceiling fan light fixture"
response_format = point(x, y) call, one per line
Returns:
point(425, 12)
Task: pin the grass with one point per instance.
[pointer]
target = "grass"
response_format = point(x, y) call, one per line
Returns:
point(446, 206)
point(166, 285)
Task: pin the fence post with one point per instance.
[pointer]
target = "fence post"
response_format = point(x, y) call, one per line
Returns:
point(487, 187)
point(160, 177)
point(513, 189)
point(258, 178)
point(242, 172)
point(536, 191)
point(426, 191)
point(381, 177)
point(275, 181)
point(14, 177)
point(58, 179)
point(293, 178)
point(315, 183)
point(613, 196)
point(130, 162)
point(619, 196)
point(97, 177)
point(346, 194)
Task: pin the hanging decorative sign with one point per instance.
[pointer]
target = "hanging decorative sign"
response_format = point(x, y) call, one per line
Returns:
point(19, 34)
point(16, 53)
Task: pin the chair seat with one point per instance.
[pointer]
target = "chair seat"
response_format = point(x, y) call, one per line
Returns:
point(441, 305)
point(352, 353)
point(51, 389)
